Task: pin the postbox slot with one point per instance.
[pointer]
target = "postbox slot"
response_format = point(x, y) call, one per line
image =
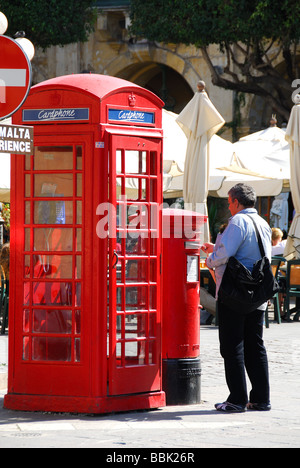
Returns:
point(192, 245)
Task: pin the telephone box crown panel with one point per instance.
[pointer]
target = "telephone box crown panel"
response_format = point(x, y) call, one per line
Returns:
point(91, 98)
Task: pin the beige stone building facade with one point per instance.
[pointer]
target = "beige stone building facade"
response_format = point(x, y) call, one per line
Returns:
point(169, 70)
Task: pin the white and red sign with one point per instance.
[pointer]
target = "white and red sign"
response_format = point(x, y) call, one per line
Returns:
point(15, 76)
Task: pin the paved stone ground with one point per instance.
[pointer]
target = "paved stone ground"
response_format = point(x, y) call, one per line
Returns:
point(177, 427)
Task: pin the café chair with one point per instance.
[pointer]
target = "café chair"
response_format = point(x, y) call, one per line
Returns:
point(276, 262)
point(292, 284)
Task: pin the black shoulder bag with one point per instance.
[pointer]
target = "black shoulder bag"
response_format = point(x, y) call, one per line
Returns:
point(243, 291)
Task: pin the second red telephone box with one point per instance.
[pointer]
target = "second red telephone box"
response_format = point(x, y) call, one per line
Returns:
point(85, 310)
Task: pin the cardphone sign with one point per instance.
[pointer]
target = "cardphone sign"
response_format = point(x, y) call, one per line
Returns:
point(15, 76)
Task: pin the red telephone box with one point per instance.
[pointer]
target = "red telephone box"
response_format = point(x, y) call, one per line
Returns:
point(85, 312)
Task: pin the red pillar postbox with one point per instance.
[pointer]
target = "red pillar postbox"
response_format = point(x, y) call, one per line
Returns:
point(85, 313)
point(181, 296)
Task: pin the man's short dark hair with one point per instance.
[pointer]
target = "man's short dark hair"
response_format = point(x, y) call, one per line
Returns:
point(244, 194)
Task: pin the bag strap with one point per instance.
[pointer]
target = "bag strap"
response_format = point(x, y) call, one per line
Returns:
point(261, 247)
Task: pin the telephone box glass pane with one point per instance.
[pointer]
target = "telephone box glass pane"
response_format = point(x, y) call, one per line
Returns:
point(52, 321)
point(53, 185)
point(137, 217)
point(26, 321)
point(79, 185)
point(135, 353)
point(52, 157)
point(27, 185)
point(78, 240)
point(27, 212)
point(78, 267)
point(27, 239)
point(54, 239)
point(136, 298)
point(52, 293)
point(135, 326)
point(137, 271)
point(79, 212)
point(26, 266)
point(27, 162)
point(52, 260)
point(152, 352)
point(135, 162)
point(136, 246)
point(53, 212)
point(51, 349)
point(79, 158)
point(77, 349)
point(53, 266)
point(119, 162)
point(25, 355)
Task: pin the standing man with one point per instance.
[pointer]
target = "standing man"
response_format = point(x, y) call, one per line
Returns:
point(241, 336)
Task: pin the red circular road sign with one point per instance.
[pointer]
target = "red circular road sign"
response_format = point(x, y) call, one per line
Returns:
point(15, 76)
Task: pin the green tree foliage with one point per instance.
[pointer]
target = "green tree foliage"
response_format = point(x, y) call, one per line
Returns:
point(50, 22)
point(251, 33)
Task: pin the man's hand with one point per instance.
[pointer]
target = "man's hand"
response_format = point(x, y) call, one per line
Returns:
point(208, 247)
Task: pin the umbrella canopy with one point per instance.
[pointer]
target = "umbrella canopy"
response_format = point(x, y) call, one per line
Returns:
point(266, 152)
point(200, 120)
point(292, 249)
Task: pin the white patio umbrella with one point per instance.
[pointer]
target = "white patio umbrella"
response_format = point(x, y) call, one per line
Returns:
point(200, 120)
point(292, 249)
point(224, 169)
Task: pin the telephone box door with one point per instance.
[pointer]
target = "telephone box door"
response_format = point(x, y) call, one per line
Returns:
point(134, 264)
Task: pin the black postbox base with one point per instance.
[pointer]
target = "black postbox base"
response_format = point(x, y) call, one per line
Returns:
point(182, 381)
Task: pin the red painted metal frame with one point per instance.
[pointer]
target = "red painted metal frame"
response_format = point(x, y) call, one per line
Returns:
point(80, 386)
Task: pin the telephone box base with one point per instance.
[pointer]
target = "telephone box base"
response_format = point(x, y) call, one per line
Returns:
point(84, 405)
point(182, 381)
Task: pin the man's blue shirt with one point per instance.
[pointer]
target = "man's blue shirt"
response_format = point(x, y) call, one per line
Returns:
point(239, 240)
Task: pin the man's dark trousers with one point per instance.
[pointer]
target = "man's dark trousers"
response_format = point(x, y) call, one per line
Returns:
point(242, 347)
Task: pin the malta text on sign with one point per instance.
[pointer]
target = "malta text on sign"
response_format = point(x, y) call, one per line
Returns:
point(15, 76)
point(16, 139)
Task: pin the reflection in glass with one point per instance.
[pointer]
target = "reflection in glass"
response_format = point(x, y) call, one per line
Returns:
point(53, 239)
point(52, 321)
point(27, 185)
point(136, 298)
point(26, 321)
point(137, 271)
point(52, 293)
point(51, 348)
point(53, 212)
point(79, 158)
point(25, 354)
point(53, 266)
point(53, 185)
point(135, 326)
